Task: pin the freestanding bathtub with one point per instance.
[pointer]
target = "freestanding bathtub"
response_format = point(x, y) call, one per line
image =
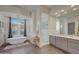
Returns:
point(16, 40)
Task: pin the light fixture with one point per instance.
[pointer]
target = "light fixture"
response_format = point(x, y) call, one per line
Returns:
point(62, 10)
point(57, 26)
point(74, 9)
point(72, 6)
point(56, 13)
point(61, 25)
point(65, 12)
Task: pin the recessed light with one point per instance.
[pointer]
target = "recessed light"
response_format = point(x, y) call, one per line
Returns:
point(74, 9)
point(65, 12)
point(62, 10)
point(56, 13)
point(72, 6)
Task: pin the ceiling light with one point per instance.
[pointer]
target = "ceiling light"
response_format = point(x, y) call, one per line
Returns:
point(56, 13)
point(62, 10)
point(74, 9)
point(65, 12)
point(72, 6)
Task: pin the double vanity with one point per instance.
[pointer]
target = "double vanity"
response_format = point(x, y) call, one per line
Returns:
point(68, 43)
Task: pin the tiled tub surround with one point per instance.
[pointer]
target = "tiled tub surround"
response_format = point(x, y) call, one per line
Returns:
point(65, 42)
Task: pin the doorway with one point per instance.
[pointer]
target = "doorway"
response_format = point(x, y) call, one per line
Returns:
point(71, 28)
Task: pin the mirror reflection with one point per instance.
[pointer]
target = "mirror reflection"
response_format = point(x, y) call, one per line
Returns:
point(68, 21)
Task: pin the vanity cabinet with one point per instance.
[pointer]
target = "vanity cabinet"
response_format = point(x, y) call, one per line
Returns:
point(73, 46)
point(52, 40)
point(58, 42)
point(68, 44)
point(64, 43)
point(61, 43)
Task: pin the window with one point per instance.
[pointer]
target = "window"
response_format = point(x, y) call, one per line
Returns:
point(1, 26)
point(28, 23)
point(17, 26)
point(14, 26)
point(21, 24)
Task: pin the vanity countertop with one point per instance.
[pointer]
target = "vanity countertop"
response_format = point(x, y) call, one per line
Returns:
point(67, 36)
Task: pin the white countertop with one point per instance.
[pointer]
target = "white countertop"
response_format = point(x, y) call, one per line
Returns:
point(67, 36)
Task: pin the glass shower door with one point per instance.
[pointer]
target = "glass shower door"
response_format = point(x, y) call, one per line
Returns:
point(44, 29)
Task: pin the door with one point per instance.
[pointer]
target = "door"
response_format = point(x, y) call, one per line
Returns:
point(71, 28)
point(44, 29)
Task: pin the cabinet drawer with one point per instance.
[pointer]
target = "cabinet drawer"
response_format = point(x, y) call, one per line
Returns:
point(74, 41)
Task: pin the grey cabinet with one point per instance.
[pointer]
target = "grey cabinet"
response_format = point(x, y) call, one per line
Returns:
point(61, 43)
point(67, 44)
point(73, 46)
point(52, 40)
point(58, 42)
point(64, 43)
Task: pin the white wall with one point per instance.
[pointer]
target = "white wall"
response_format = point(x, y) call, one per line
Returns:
point(4, 21)
point(1, 39)
point(51, 25)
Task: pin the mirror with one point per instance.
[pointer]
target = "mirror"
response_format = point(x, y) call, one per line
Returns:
point(69, 23)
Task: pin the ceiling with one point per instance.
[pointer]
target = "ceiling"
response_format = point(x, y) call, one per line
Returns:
point(30, 7)
point(56, 10)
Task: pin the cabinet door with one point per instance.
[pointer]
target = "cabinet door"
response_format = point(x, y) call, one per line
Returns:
point(58, 42)
point(73, 46)
point(52, 40)
point(64, 43)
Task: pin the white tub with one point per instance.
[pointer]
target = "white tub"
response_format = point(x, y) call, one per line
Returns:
point(16, 40)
